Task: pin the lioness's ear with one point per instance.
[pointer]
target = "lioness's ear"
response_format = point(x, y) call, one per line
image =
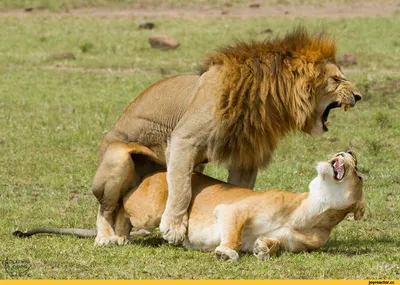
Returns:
point(359, 209)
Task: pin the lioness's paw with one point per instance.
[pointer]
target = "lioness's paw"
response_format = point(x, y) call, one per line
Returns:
point(226, 253)
point(174, 232)
point(262, 255)
point(104, 241)
point(265, 248)
point(261, 250)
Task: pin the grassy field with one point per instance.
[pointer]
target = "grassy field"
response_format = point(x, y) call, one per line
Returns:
point(54, 113)
point(64, 5)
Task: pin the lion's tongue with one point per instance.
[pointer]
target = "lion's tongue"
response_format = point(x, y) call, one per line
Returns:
point(339, 167)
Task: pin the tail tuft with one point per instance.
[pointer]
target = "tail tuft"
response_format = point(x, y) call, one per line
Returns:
point(20, 234)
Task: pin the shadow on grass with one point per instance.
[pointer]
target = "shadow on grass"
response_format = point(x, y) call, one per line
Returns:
point(350, 247)
point(153, 240)
point(354, 246)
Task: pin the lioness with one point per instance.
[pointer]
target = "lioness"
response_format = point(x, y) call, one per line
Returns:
point(226, 218)
point(246, 98)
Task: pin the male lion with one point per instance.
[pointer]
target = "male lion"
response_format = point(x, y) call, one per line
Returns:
point(234, 113)
point(225, 218)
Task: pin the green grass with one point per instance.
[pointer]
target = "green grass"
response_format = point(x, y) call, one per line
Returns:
point(116, 42)
point(52, 121)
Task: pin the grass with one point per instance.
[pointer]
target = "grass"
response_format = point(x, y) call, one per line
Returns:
point(53, 118)
point(116, 42)
point(65, 5)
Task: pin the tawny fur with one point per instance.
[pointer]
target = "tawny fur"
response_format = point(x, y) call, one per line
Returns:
point(266, 89)
point(225, 218)
point(248, 96)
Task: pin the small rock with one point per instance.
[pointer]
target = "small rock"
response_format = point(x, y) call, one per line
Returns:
point(63, 55)
point(147, 26)
point(347, 59)
point(266, 31)
point(163, 42)
point(286, 12)
point(28, 9)
point(254, 5)
point(224, 12)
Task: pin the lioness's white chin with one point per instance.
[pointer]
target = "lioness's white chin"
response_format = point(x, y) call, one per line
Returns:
point(327, 169)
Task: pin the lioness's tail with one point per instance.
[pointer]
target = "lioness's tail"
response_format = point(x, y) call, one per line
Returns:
point(82, 233)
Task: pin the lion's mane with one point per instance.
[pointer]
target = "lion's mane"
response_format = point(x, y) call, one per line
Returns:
point(266, 89)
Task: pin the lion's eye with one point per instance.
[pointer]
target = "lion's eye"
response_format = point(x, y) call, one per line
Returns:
point(339, 79)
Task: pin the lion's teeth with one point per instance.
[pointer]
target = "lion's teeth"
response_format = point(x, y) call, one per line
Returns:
point(345, 107)
point(327, 124)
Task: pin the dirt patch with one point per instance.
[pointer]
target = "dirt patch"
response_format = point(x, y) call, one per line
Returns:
point(388, 86)
point(331, 11)
point(84, 69)
point(299, 11)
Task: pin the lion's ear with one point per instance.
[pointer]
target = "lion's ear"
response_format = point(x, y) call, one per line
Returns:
point(301, 65)
point(359, 209)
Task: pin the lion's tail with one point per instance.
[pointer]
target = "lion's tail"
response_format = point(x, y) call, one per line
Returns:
point(82, 233)
point(136, 148)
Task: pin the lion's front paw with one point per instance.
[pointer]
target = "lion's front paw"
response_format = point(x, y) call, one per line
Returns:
point(226, 253)
point(173, 231)
point(121, 240)
point(104, 240)
point(265, 248)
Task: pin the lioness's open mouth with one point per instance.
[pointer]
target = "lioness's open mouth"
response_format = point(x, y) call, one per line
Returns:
point(338, 167)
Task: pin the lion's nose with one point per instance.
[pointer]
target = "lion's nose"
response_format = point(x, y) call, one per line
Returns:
point(357, 97)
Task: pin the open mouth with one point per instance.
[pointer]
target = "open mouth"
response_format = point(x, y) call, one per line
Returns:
point(338, 167)
point(325, 115)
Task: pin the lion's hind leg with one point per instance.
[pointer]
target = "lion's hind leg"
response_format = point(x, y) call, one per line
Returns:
point(123, 227)
point(113, 178)
point(265, 248)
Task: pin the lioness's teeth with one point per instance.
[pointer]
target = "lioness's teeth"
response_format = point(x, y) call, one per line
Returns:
point(345, 107)
point(327, 124)
point(339, 167)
